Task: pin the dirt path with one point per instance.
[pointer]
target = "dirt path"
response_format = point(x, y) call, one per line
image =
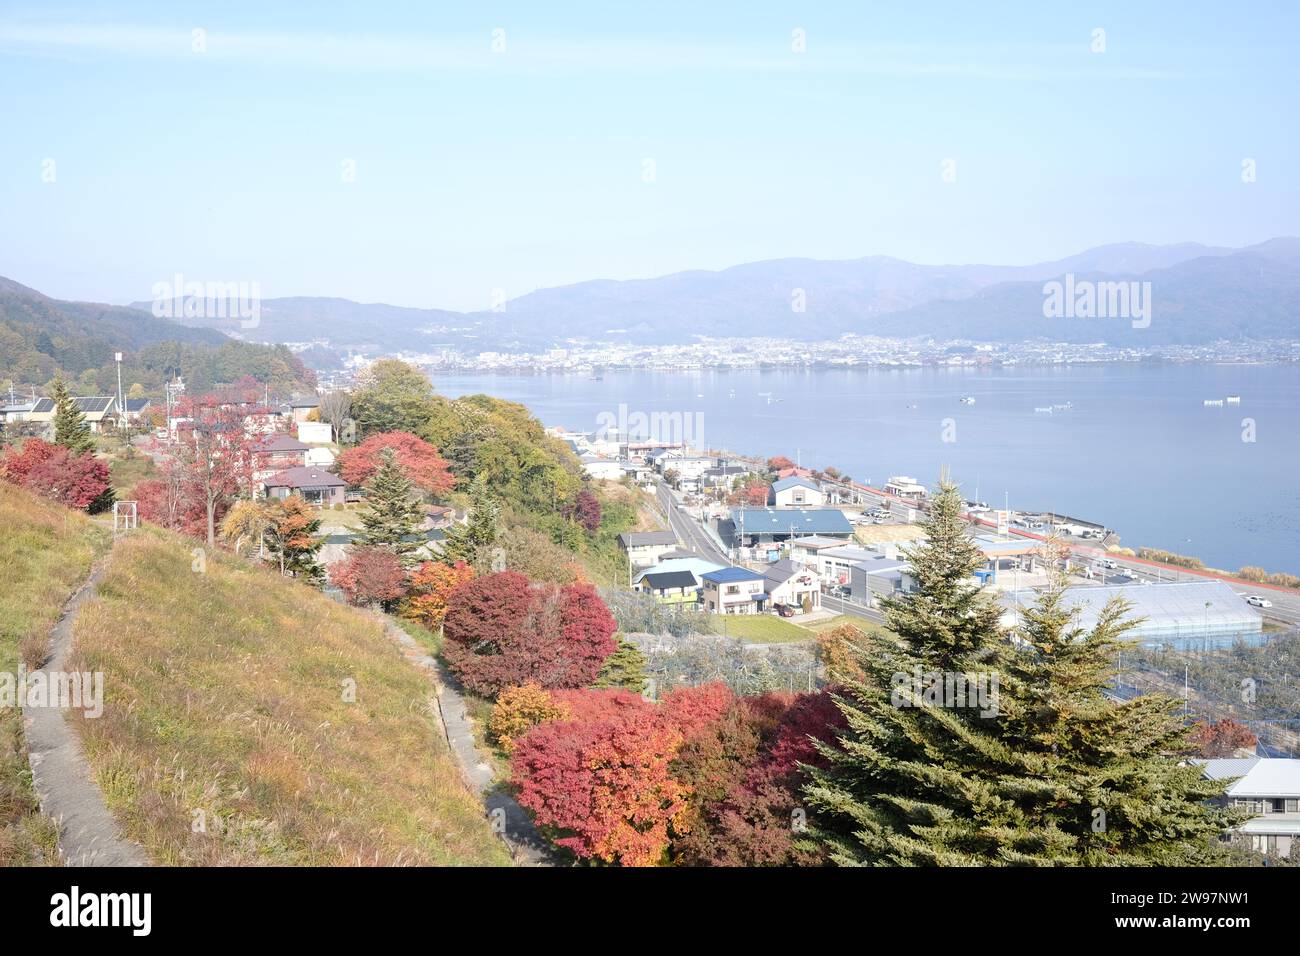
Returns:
point(61, 776)
point(509, 819)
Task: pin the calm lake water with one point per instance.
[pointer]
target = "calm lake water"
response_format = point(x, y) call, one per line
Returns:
point(1137, 450)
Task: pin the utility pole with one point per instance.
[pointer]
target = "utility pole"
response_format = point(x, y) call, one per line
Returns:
point(121, 408)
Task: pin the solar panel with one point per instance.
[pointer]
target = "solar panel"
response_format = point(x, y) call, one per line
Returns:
point(93, 404)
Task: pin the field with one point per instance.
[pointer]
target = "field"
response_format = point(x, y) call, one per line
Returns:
point(45, 552)
point(250, 720)
point(760, 628)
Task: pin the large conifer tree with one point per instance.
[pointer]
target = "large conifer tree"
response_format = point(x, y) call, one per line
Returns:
point(70, 427)
point(392, 515)
point(469, 542)
point(1053, 774)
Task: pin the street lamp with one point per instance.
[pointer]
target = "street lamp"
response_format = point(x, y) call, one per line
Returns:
point(121, 409)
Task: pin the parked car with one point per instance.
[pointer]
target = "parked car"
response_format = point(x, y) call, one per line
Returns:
point(785, 610)
point(1110, 564)
point(1256, 601)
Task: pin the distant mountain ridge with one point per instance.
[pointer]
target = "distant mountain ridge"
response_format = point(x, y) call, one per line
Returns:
point(1200, 294)
point(42, 337)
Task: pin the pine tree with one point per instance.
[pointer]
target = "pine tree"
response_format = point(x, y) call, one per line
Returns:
point(911, 781)
point(1110, 784)
point(625, 668)
point(70, 427)
point(392, 514)
point(293, 537)
point(1052, 773)
point(468, 542)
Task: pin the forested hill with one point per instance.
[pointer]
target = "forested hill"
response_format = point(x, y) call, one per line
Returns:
point(41, 338)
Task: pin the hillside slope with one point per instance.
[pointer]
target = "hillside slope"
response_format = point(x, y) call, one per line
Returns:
point(227, 736)
point(45, 553)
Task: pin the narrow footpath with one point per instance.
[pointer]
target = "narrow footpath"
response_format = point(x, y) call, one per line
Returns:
point(510, 821)
point(61, 775)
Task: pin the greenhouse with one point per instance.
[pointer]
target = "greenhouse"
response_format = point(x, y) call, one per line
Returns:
point(1190, 615)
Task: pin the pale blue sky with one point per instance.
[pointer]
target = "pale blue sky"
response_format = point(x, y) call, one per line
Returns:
point(515, 170)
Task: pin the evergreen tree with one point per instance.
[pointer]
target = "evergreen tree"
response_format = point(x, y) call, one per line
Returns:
point(469, 542)
point(1110, 784)
point(912, 780)
point(392, 515)
point(625, 668)
point(1044, 771)
point(70, 427)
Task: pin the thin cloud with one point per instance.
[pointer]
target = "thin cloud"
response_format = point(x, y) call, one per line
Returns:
point(539, 55)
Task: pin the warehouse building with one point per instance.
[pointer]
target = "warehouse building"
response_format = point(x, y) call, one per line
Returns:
point(1187, 615)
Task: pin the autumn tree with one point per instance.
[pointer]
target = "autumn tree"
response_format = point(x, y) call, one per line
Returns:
point(214, 454)
point(585, 510)
point(419, 461)
point(1222, 738)
point(602, 788)
point(520, 709)
point(431, 587)
point(370, 575)
point(247, 522)
point(56, 472)
point(334, 407)
point(293, 538)
point(502, 630)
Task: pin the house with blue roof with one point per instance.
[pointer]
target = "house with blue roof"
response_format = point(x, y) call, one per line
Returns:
point(734, 591)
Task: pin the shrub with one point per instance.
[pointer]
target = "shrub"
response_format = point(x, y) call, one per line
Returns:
point(520, 709)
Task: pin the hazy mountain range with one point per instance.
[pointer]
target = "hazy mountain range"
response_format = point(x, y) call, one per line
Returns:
point(1199, 294)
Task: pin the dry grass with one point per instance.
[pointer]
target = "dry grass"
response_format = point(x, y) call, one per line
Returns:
point(226, 738)
point(45, 553)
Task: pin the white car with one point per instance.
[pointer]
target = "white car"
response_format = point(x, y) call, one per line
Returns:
point(1256, 601)
point(1109, 564)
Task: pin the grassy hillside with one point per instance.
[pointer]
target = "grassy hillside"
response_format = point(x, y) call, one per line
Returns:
point(45, 552)
point(227, 739)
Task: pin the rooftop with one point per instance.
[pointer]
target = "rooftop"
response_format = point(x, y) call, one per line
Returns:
point(305, 477)
point(794, 481)
point(1260, 776)
point(637, 539)
point(732, 575)
point(787, 521)
point(669, 579)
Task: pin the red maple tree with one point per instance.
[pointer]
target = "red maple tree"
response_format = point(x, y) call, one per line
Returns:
point(370, 575)
point(419, 460)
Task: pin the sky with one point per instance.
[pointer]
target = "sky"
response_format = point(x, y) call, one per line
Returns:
point(438, 155)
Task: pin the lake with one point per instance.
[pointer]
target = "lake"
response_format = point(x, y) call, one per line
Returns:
point(1136, 450)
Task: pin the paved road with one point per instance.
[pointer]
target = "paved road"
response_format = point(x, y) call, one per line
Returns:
point(692, 537)
point(832, 603)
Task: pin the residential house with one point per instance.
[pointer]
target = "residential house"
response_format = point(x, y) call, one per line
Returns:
point(835, 564)
point(315, 485)
point(805, 550)
point(670, 587)
point(646, 547)
point(99, 411)
point(678, 561)
point(722, 476)
point(134, 409)
point(790, 584)
point(602, 469)
point(1269, 787)
point(275, 453)
point(320, 457)
point(301, 406)
point(734, 591)
point(796, 492)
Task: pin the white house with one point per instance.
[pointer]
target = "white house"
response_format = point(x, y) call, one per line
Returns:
point(797, 492)
point(315, 433)
point(790, 584)
point(1270, 788)
point(900, 486)
point(734, 591)
point(647, 547)
point(835, 564)
point(603, 469)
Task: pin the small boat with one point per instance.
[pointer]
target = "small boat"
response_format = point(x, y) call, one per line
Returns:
point(1063, 408)
point(1045, 410)
point(968, 399)
point(1213, 403)
point(1233, 399)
